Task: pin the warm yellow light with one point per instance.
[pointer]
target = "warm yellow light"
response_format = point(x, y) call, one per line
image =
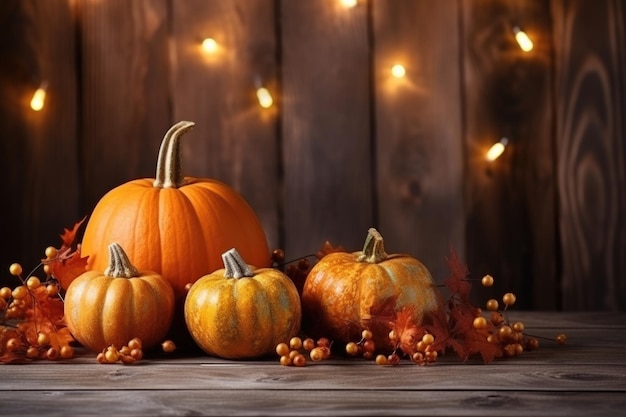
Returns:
point(497, 149)
point(349, 3)
point(523, 40)
point(209, 45)
point(264, 97)
point(39, 99)
point(398, 71)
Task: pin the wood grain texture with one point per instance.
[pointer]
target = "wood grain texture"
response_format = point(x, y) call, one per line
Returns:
point(38, 150)
point(125, 97)
point(582, 378)
point(510, 203)
point(344, 148)
point(419, 152)
point(591, 93)
point(234, 140)
point(364, 402)
point(326, 134)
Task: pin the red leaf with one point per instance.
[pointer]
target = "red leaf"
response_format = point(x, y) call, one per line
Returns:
point(457, 282)
point(407, 330)
point(382, 317)
point(436, 323)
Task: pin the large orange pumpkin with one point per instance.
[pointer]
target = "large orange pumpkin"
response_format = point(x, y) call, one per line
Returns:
point(240, 311)
point(110, 307)
point(174, 225)
point(345, 293)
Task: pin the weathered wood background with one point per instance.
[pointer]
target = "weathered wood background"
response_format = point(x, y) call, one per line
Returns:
point(346, 146)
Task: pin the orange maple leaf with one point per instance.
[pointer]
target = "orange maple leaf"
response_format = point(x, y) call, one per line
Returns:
point(67, 267)
point(407, 330)
point(69, 236)
point(68, 264)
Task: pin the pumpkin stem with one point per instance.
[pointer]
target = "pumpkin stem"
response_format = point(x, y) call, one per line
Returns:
point(374, 248)
point(235, 266)
point(169, 171)
point(119, 264)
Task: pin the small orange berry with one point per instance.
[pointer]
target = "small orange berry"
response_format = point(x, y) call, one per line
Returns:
point(487, 281)
point(492, 305)
point(509, 299)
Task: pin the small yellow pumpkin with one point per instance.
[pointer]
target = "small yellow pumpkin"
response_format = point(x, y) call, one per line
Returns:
point(121, 303)
point(240, 312)
point(345, 292)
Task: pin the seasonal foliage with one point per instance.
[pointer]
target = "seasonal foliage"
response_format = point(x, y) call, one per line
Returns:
point(32, 324)
point(457, 325)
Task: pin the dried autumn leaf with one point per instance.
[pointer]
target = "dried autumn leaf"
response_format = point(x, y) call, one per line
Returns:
point(436, 323)
point(407, 331)
point(69, 236)
point(41, 311)
point(327, 249)
point(67, 264)
point(381, 317)
point(457, 283)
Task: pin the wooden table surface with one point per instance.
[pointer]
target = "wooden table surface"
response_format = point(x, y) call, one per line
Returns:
point(585, 377)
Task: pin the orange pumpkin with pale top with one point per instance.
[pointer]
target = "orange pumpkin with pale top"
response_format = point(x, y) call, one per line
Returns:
point(174, 225)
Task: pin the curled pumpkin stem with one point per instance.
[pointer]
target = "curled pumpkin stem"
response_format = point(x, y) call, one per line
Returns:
point(374, 248)
point(119, 264)
point(169, 172)
point(235, 266)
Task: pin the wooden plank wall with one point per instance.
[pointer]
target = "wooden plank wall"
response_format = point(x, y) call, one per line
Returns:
point(590, 96)
point(346, 146)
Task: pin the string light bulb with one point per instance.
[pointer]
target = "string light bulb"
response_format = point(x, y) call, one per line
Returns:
point(39, 98)
point(265, 97)
point(523, 40)
point(398, 71)
point(497, 149)
point(349, 3)
point(209, 45)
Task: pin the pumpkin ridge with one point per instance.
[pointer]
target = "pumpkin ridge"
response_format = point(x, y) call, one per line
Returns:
point(90, 317)
point(152, 248)
point(199, 197)
point(181, 237)
point(228, 201)
point(249, 292)
point(226, 209)
point(247, 220)
point(148, 305)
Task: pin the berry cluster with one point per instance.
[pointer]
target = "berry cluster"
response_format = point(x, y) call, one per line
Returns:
point(422, 354)
point(466, 329)
point(364, 347)
point(31, 316)
point(509, 335)
point(127, 354)
point(294, 353)
point(42, 349)
point(495, 334)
